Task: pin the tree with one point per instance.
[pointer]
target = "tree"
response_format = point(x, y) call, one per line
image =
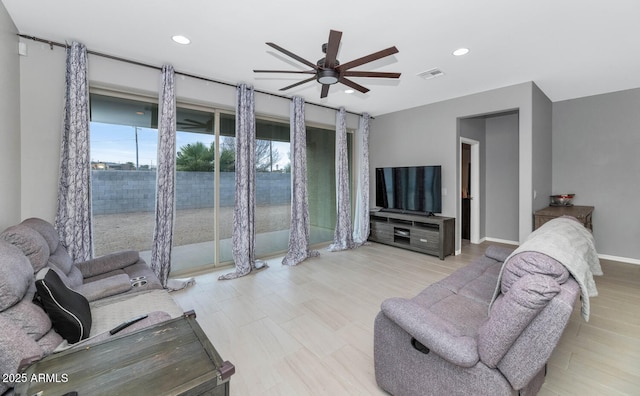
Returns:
point(265, 156)
point(195, 157)
point(228, 155)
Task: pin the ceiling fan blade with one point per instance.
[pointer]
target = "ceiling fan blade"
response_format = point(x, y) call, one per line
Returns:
point(325, 91)
point(353, 85)
point(298, 83)
point(332, 49)
point(286, 71)
point(353, 73)
point(294, 56)
point(367, 59)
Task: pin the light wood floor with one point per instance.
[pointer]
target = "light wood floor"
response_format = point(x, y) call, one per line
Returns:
point(308, 330)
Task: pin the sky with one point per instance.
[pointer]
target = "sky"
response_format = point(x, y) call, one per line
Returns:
point(117, 143)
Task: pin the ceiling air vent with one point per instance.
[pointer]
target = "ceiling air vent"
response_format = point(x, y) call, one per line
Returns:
point(431, 73)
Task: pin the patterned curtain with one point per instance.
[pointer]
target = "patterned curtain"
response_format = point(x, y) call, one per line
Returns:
point(73, 216)
point(165, 178)
point(361, 221)
point(343, 235)
point(299, 233)
point(244, 232)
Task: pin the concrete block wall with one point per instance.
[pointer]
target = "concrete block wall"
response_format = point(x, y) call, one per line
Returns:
point(117, 191)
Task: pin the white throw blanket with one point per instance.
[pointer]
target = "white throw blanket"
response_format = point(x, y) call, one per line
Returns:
point(568, 242)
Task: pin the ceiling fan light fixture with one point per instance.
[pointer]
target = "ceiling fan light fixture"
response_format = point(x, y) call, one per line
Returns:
point(461, 51)
point(180, 39)
point(327, 76)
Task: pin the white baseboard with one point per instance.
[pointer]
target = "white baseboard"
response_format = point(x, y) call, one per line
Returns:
point(505, 241)
point(620, 259)
point(602, 256)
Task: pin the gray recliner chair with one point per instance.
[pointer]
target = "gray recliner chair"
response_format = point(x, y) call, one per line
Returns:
point(116, 273)
point(447, 340)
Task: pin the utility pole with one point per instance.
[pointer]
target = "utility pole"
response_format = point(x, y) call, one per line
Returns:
point(137, 164)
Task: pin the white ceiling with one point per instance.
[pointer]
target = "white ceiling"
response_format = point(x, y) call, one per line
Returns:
point(569, 48)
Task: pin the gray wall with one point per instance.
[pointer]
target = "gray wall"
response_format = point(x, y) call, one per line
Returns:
point(429, 135)
point(41, 101)
point(502, 178)
point(542, 149)
point(9, 122)
point(596, 141)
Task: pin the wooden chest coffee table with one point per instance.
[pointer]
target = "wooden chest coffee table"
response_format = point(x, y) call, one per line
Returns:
point(170, 358)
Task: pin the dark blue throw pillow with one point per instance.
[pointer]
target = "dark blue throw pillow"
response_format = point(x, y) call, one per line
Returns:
point(68, 310)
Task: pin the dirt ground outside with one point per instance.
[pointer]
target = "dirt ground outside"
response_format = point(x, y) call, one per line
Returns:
point(134, 231)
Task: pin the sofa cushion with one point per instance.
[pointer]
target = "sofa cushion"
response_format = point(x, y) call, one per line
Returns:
point(105, 287)
point(447, 339)
point(498, 253)
point(112, 311)
point(50, 342)
point(16, 275)
point(46, 229)
point(15, 345)
point(72, 278)
point(68, 310)
point(61, 259)
point(32, 244)
point(530, 262)
point(107, 263)
point(511, 313)
point(29, 317)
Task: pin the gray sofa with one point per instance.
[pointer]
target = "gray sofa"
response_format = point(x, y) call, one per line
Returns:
point(488, 328)
point(27, 332)
point(95, 279)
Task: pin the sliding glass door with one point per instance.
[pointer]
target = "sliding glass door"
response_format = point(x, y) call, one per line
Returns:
point(194, 227)
point(124, 141)
point(124, 158)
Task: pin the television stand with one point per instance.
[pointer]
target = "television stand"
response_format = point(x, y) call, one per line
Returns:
point(434, 235)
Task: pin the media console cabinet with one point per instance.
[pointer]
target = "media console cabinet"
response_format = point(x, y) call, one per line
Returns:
point(434, 235)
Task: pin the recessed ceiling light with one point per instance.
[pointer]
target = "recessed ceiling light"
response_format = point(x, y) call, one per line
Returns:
point(349, 91)
point(140, 112)
point(461, 51)
point(181, 39)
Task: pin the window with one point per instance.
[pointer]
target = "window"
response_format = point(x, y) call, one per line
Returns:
point(195, 216)
point(124, 138)
point(124, 157)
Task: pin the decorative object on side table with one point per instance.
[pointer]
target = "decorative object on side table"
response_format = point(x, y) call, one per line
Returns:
point(562, 200)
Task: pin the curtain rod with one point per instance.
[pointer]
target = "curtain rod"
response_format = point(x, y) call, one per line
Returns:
point(117, 58)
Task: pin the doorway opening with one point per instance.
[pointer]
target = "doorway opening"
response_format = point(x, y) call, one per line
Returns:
point(470, 189)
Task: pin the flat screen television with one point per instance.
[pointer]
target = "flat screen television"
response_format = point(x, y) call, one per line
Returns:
point(409, 189)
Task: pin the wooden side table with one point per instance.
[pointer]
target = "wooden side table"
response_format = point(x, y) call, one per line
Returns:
point(170, 358)
point(582, 213)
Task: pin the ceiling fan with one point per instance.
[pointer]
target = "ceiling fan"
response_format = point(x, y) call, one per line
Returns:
point(189, 124)
point(328, 71)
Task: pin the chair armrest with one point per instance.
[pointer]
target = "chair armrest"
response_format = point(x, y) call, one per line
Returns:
point(431, 331)
point(105, 287)
point(108, 263)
